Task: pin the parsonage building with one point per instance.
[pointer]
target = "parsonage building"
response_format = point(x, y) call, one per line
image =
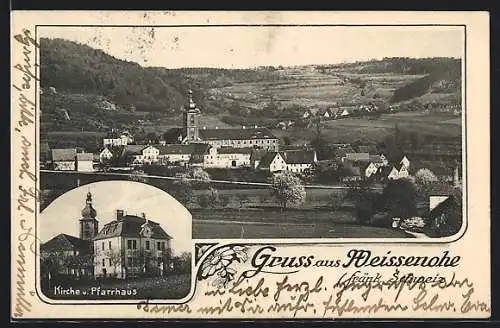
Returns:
point(130, 245)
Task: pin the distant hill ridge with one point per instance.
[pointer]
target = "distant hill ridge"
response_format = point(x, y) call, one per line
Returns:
point(90, 82)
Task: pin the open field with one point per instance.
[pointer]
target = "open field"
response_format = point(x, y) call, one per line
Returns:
point(373, 130)
point(173, 286)
point(310, 88)
point(207, 229)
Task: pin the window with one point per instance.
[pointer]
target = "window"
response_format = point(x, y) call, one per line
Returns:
point(109, 244)
point(147, 245)
point(162, 245)
point(129, 244)
point(102, 245)
point(110, 262)
point(158, 246)
point(103, 262)
point(134, 244)
point(129, 261)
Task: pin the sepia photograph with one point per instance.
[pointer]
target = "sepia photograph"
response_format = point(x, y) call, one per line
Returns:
point(320, 132)
point(115, 240)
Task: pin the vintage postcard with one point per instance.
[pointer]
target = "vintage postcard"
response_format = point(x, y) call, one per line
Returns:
point(250, 165)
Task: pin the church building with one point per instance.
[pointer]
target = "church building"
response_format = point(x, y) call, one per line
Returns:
point(128, 246)
point(244, 137)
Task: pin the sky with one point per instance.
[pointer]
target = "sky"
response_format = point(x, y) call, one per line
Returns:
point(62, 215)
point(244, 47)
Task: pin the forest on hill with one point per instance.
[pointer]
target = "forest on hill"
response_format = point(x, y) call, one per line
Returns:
point(96, 91)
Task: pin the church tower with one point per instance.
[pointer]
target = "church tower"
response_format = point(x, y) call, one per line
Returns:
point(89, 226)
point(191, 115)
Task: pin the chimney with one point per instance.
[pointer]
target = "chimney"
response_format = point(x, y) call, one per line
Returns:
point(119, 214)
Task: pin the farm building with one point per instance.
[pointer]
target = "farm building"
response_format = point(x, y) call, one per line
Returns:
point(64, 159)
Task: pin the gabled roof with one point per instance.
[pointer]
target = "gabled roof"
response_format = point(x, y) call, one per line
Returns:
point(179, 149)
point(64, 242)
point(130, 226)
point(443, 206)
point(231, 150)
point(357, 156)
point(376, 159)
point(257, 154)
point(367, 149)
point(298, 156)
point(172, 135)
point(63, 154)
point(236, 134)
point(266, 160)
point(133, 149)
point(183, 149)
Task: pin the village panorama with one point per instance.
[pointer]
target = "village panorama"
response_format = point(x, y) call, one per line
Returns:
point(367, 149)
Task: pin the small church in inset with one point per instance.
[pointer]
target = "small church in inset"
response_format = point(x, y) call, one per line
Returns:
point(129, 245)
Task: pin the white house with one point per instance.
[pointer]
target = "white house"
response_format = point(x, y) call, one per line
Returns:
point(227, 157)
point(150, 154)
point(85, 162)
point(405, 162)
point(167, 153)
point(296, 161)
point(371, 169)
point(403, 172)
point(341, 113)
point(118, 141)
point(273, 162)
point(64, 159)
point(393, 174)
point(105, 155)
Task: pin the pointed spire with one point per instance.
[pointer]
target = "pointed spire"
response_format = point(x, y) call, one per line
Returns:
point(88, 211)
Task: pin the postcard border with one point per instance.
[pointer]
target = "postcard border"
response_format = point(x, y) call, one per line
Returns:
point(276, 241)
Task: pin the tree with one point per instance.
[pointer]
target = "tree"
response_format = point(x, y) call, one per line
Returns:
point(366, 202)
point(223, 200)
point(200, 174)
point(323, 149)
point(137, 177)
point(425, 177)
point(183, 191)
point(335, 200)
point(116, 257)
point(203, 200)
point(400, 198)
point(213, 197)
point(242, 200)
point(288, 190)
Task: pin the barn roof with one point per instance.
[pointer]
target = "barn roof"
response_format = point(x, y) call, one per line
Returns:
point(298, 156)
point(63, 154)
point(64, 242)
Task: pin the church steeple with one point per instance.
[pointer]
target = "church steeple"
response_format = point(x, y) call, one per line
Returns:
point(191, 119)
point(89, 212)
point(89, 226)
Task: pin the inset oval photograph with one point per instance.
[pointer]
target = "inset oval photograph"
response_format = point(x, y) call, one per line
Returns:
point(115, 240)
